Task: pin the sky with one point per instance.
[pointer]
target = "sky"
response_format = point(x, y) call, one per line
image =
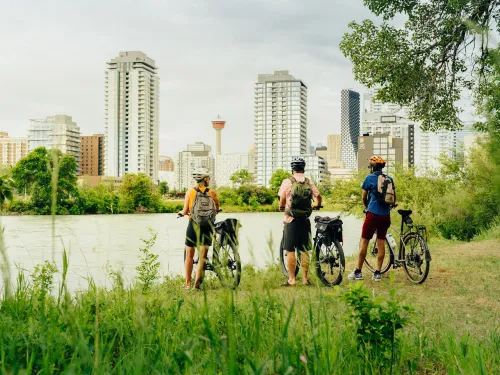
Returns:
point(209, 54)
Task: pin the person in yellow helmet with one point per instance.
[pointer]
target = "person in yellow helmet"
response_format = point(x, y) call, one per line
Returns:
point(378, 217)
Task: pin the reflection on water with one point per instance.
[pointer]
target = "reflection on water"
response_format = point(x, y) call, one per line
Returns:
point(93, 241)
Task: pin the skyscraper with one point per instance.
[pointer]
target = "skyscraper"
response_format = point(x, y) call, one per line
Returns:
point(92, 155)
point(132, 115)
point(349, 128)
point(333, 151)
point(280, 122)
point(55, 132)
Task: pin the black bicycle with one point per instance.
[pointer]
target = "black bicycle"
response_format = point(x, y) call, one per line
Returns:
point(327, 251)
point(224, 260)
point(414, 255)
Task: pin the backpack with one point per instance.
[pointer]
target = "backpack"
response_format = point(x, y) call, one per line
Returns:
point(203, 211)
point(385, 190)
point(302, 196)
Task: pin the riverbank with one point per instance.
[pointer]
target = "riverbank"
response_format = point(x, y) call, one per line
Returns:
point(260, 328)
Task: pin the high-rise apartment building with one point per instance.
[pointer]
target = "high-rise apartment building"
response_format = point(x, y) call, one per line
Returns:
point(228, 164)
point(12, 149)
point(396, 127)
point(92, 155)
point(252, 160)
point(372, 105)
point(197, 156)
point(132, 115)
point(349, 128)
point(316, 168)
point(429, 146)
point(166, 164)
point(55, 132)
point(389, 148)
point(280, 122)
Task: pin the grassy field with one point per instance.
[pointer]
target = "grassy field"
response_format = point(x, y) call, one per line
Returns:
point(261, 328)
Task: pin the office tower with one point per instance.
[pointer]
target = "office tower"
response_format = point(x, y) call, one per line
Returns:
point(429, 146)
point(333, 151)
point(132, 115)
point(280, 122)
point(349, 128)
point(228, 164)
point(384, 145)
point(92, 155)
point(321, 151)
point(12, 149)
point(55, 132)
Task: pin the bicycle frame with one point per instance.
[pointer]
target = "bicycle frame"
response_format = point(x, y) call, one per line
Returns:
point(405, 220)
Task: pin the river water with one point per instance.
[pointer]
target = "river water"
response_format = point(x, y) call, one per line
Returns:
point(93, 241)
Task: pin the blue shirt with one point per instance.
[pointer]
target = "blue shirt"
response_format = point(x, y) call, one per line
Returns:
point(370, 185)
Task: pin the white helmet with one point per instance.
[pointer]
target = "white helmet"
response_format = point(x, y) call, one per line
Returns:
point(200, 174)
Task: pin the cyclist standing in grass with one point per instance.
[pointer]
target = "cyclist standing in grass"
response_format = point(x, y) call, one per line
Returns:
point(296, 196)
point(378, 202)
point(201, 204)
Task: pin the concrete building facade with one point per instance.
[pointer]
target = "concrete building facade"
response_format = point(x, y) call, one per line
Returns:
point(197, 156)
point(132, 115)
point(12, 149)
point(226, 165)
point(350, 126)
point(388, 147)
point(55, 132)
point(429, 146)
point(280, 122)
point(316, 168)
point(92, 155)
point(333, 147)
point(165, 164)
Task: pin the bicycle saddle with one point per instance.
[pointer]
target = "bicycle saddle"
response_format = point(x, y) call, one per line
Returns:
point(405, 212)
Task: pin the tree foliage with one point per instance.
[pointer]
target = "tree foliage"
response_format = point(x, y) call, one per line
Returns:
point(138, 193)
point(241, 177)
point(163, 188)
point(277, 178)
point(441, 52)
point(5, 189)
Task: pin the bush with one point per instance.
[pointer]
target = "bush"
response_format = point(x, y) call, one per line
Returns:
point(20, 206)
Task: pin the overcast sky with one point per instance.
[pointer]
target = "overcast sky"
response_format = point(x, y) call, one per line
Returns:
point(209, 53)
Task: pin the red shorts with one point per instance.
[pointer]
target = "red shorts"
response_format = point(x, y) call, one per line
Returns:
point(375, 223)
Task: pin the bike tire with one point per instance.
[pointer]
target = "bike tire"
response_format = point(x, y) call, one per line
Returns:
point(320, 260)
point(422, 258)
point(227, 264)
point(371, 258)
point(283, 262)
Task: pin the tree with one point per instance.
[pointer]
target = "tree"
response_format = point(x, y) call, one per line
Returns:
point(34, 175)
point(442, 51)
point(163, 187)
point(241, 177)
point(137, 192)
point(277, 178)
point(5, 189)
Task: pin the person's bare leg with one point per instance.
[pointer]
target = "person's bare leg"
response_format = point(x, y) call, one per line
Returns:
point(203, 251)
point(304, 257)
point(363, 247)
point(291, 260)
point(188, 264)
point(381, 253)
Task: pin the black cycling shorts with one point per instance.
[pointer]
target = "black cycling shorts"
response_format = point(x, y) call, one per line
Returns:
point(297, 235)
point(198, 236)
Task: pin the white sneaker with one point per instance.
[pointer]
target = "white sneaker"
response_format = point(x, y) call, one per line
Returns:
point(355, 275)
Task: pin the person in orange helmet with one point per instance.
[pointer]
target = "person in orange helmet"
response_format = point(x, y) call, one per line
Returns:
point(378, 217)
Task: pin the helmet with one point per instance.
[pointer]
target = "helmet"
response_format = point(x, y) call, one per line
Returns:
point(376, 160)
point(298, 163)
point(200, 174)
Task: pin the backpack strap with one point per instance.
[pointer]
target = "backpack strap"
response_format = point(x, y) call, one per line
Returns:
point(292, 179)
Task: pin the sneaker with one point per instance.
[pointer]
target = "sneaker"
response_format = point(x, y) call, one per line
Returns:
point(377, 276)
point(355, 275)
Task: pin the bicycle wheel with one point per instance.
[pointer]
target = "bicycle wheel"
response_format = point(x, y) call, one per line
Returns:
point(227, 264)
point(284, 263)
point(372, 255)
point(330, 262)
point(417, 258)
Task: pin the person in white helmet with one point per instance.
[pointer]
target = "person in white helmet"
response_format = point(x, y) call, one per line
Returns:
point(201, 204)
point(296, 196)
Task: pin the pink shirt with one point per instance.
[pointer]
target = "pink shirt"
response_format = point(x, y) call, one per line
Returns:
point(286, 190)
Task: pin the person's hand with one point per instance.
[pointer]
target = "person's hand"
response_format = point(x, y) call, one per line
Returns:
point(316, 208)
point(394, 205)
point(180, 214)
point(282, 208)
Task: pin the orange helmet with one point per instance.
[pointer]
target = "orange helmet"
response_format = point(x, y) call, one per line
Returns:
point(376, 160)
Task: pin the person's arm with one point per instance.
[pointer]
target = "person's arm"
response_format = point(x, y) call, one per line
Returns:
point(364, 195)
point(395, 200)
point(282, 202)
point(316, 195)
point(216, 200)
point(185, 210)
point(284, 189)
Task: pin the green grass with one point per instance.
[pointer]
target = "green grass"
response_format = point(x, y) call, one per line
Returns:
point(258, 329)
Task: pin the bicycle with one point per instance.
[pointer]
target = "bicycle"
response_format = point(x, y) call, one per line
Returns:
point(328, 252)
point(415, 261)
point(225, 260)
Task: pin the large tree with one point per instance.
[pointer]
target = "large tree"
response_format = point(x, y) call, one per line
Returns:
point(241, 177)
point(277, 178)
point(443, 51)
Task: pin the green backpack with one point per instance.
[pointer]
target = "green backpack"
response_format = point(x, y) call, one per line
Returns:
point(302, 196)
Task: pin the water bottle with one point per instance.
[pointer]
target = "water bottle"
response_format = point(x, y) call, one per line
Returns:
point(392, 241)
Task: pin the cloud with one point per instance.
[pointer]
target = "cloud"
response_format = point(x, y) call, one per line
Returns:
point(209, 54)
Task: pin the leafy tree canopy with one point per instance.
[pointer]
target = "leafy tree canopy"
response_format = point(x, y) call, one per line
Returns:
point(277, 178)
point(241, 177)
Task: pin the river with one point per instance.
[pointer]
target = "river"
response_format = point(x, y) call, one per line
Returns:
point(93, 241)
